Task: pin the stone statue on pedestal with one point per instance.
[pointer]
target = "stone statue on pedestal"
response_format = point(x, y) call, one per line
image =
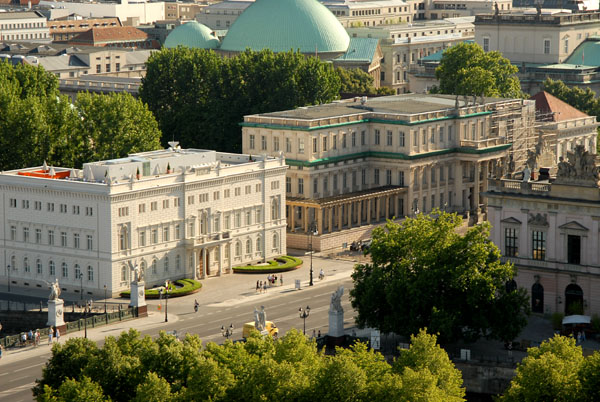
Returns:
point(336, 314)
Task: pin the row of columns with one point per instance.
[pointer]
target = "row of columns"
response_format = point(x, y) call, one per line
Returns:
point(344, 214)
point(457, 189)
point(201, 261)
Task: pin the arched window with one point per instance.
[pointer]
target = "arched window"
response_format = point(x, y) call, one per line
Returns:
point(537, 298)
point(26, 264)
point(65, 270)
point(123, 273)
point(38, 264)
point(275, 241)
point(573, 300)
point(258, 244)
point(52, 268)
point(13, 262)
point(248, 246)
point(90, 273)
point(166, 264)
point(154, 266)
point(77, 271)
point(178, 262)
point(238, 249)
point(227, 251)
point(275, 209)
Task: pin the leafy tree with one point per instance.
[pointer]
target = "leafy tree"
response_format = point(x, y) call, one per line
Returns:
point(200, 98)
point(548, 373)
point(356, 81)
point(424, 274)
point(581, 99)
point(465, 69)
point(291, 368)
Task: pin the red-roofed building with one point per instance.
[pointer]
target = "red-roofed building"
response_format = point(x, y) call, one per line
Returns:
point(115, 37)
point(560, 128)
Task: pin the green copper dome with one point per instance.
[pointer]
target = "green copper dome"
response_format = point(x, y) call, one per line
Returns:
point(192, 34)
point(281, 25)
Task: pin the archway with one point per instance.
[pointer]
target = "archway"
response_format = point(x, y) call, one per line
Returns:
point(573, 299)
point(537, 298)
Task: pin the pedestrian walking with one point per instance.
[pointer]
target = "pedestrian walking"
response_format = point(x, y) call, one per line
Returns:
point(265, 287)
point(257, 286)
point(319, 334)
point(281, 280)
point(37, 337)
point(583, 335)
point(260, 287)
point(57, 335)
point(50, 334)
point(578, 337)
point(314, 335)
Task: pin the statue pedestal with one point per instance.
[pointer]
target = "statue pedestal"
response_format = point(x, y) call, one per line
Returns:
point(336, 323)
point(137, 298)
point(56, 313)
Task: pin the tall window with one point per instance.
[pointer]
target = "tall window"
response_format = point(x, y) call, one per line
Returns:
point(90, 242)
point(76, 240)
point(389, 138)
point(38, 264)
point(486, 44)
point(38, 236)
point(263, 143)
point(90, 273)
point(388, 177)
point(566, 49)
point(300, 186)
point(26, 264)
point(166, 264)
point(248, 246)
point(377, 137)
point(77, 271)
point(401, 138)
point(314, 145)
point(26, 234)
point(65, 270)
point(363, 138)
point(63, 239)
point(511, 247)
point(258, 244)
point(154, 267)
point(52, 268)
point(546, 46)
point(574, 249)
point(353, 139)
point(251, 141)
point(238, 249)
point(123, 273)
point(538, 245)
point(376, 176)
point(288, 145)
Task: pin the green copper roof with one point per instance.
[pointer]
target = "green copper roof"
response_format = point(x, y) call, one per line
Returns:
point(282, 25)
point(192, 34)
point(586, 54)
point(360, 49)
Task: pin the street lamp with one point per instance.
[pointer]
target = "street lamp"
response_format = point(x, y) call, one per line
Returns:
point(8, 275)
point(311, 231)
point(166, 300)
point(304, 315)
point(88, 306)
point(105, 314)
point(227, 332)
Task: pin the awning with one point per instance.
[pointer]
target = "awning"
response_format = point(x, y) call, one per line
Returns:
point(577, 319)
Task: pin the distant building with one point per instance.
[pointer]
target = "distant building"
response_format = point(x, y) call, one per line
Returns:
point(129, 37)
point(176, 10)
point(24, 26)
point(440, 9)
point(175, 213)
point(372, 13)
point(550, 230)
point(354, 164)
point(223, 14)
point(66, 28)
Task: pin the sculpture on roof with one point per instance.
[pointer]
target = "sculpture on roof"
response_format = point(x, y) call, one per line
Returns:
point(54, 290)
point(336, 300)
point(579, 169)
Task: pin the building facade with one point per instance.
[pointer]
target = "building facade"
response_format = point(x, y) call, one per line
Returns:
point(549, 230)
point(404, 46)
point(24, 26)
point(355, 163)
point(66, 28)
point(176, 213)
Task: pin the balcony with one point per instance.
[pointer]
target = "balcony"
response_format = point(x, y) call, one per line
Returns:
point(518, 186)
point(485, 143)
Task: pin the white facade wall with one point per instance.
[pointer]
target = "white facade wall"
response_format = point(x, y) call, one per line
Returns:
point(143, 13)
point(24, 26)
point(167, 219)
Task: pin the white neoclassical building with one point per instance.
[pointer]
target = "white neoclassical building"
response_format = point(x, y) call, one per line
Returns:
point(176, 213)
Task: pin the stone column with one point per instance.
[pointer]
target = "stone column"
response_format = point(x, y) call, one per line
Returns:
point(137, 297)
point(319, 213)
point(377, 209)
point(305, 219)
point(359, 212)
point(458, 187)
point(221, 259)
point(369, 211)
point(476, 188)
point(349, 209)
point(340, 210)
point(194, 265)
point(387, 207)
point(203, 256)
point(330, 219)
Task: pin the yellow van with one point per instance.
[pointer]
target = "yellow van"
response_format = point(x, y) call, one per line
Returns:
point(270, 327)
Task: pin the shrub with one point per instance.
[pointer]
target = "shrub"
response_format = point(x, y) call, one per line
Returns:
point(181, 287)
point(279, 264)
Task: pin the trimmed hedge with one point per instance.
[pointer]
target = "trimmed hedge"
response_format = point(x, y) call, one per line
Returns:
point(181, 287)
point(279, 264)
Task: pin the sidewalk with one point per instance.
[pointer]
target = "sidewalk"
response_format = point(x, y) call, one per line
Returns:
point(153, 320)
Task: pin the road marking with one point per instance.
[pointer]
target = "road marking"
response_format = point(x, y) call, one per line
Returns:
point(17, 389)
point(17, 379)
point(29, 367)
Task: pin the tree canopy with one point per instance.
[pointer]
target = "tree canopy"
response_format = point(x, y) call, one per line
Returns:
point(141, 369)
point(37, 123)
point(424, 274)
point(356, 81)
point(556, 371)
point(581, 99)
point(200, 98)
point(465, 69)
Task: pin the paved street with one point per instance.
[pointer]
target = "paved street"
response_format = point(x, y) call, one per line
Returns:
point(227, 300)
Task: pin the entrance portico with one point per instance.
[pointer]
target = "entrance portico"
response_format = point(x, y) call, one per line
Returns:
point(211, 256)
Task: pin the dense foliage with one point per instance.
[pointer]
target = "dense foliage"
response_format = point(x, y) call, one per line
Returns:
point(465, 69)
point(424, 274)
point(356, 81)
point(556, 371)
point(199, 98)
point(289, 369)
point(37, 123)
